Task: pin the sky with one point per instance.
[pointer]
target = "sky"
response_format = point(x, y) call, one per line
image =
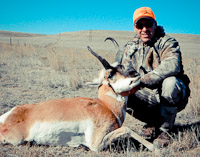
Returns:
point(58, 16)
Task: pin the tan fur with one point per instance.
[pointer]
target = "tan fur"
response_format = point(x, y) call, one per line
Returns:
point(17, 125)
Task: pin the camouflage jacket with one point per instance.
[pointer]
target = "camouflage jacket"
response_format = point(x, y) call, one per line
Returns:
point(156, 60)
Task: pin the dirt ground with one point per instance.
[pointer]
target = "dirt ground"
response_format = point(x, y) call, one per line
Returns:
point(35, 68)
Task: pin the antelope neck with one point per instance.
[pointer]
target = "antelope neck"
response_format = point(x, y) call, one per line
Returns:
point(113, 101)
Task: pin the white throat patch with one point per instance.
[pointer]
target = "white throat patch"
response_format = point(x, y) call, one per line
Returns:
point(116, 97)
point(124, 85)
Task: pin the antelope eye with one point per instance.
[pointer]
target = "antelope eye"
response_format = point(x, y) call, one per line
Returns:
point(110, 76)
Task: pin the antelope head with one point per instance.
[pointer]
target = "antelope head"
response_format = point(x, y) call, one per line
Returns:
point(123, 81)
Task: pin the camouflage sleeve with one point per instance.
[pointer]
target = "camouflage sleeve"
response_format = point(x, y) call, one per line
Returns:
point(128, 51)
point(170, 65)
point(119, 56)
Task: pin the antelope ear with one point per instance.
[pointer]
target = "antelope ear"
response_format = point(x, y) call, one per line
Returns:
point(91, 84)
point(97, 81)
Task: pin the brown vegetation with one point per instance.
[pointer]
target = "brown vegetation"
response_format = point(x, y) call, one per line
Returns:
point(39, 68)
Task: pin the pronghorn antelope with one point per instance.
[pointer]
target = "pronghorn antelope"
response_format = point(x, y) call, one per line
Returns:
point(94, 123)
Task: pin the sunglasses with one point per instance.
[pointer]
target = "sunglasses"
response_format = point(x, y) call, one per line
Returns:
point(147, 24)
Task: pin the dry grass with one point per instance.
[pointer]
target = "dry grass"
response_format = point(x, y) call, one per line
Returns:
point(34, 73)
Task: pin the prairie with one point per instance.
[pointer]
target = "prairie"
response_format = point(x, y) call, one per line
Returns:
point(36, 67)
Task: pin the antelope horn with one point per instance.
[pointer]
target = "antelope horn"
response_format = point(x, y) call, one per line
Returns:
point(113, 40)
point(102, 60)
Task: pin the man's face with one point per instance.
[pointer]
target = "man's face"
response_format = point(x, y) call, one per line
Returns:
point(145, 29)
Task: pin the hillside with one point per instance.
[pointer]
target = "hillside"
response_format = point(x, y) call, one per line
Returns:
point(17, 34)
point(190, 44)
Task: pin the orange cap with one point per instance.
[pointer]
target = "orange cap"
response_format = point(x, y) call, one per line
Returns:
point(142, 13)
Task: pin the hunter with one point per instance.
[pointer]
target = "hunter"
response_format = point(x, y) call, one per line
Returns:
point(164, 87)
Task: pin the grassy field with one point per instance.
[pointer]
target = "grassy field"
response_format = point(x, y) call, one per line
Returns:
point(36, 68)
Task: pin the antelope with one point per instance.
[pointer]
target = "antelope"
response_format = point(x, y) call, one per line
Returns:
point(91, 122)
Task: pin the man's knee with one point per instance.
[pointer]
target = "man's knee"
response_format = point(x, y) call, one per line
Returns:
point(171, 91)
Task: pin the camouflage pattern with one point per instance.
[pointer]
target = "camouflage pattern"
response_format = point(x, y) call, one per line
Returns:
point(156, 61)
